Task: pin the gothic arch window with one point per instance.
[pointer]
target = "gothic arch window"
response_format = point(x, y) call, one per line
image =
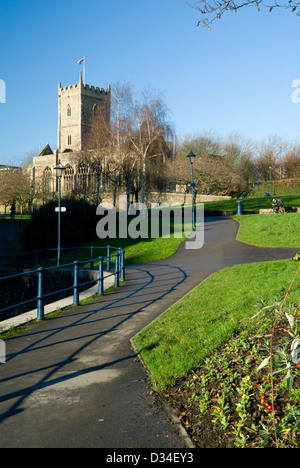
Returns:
point(82, 174)
point(69, 111)
point(68, 178)
point(47, 180)
point(96, 110)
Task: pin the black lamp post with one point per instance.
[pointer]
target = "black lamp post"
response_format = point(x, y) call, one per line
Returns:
point(59, 173)
point(31, 198)
point(191, 157)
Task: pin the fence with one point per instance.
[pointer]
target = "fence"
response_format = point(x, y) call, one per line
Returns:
point(115, 258)
point(49, 257)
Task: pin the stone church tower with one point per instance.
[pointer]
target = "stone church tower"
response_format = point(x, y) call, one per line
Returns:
point(77, 104)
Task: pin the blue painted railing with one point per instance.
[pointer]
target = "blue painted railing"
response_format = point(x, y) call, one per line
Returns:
point(48, 257)
point(115, 258)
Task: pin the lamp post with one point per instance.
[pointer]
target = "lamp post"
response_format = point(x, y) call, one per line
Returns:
point(270, 167)
point(31, 198)
point(191, 157)
point(59, 173)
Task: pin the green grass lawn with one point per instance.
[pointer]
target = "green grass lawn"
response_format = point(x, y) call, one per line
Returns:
point(270, 230)
point(253, 204)
point(143, 250)
point(209, 316)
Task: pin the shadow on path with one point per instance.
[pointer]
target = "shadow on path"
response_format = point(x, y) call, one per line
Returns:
point(73, 381)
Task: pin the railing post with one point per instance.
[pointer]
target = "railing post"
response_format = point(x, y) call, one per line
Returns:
point(117, 271)
point(76, 283)
point(100, 277)
point(122, 264)
point(92, 257)
point(40, 296)
point(108, 258)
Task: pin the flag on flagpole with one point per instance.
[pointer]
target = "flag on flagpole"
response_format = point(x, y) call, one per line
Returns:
point(79, 63)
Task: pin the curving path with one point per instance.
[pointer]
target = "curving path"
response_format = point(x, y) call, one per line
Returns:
point(74, 381)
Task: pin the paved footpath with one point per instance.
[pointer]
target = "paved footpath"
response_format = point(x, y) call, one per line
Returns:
point(74, 380)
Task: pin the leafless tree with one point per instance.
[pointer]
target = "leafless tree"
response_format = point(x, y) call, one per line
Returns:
point(292, 163)
point(15, 187)
point(149, 132)
point(271, 154)
point(211, 10)
point(221, 167)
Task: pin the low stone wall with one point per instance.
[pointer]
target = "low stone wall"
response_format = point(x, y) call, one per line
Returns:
point(174, 198)
point(270, 210)
point(266, 211)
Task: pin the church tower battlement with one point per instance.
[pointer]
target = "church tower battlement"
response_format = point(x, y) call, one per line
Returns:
point(77, 104)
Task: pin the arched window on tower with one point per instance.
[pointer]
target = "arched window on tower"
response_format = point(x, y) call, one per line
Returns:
point(96, 110)
point(69, 111)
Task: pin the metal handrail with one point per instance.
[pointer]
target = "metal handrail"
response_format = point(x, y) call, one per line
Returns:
point(33, 259)
point(119, 273)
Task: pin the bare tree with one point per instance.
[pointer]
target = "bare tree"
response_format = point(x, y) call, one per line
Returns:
point(15, 187)
point(6, 188)
point(91, 161)
point(215, 9)
point(149, 131)
point(292, 163)
point(271, 154)
point(223, 167)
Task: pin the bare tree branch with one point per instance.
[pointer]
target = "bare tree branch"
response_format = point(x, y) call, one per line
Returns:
point(214, 9)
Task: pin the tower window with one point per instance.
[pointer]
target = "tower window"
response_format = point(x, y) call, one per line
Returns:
point(96, 110)
point(69, 139)
point(69, 111)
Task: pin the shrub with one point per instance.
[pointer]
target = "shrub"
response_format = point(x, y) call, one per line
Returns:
point(78, 226)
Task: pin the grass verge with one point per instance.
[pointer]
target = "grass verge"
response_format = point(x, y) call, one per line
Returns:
point(270, 230)
point(208, 316)
point(253, 204)
point(207, 359)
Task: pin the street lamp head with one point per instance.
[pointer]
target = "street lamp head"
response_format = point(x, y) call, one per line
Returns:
point(191, 156)
point(59, 169)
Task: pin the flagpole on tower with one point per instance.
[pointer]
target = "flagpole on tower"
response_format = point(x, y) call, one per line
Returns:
point(79, 63)
point(84, 71)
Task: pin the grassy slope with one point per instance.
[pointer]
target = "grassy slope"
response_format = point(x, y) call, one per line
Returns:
point(208, 316)
point(217, 308)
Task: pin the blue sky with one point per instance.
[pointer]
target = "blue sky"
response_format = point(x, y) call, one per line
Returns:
point(236, 78)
